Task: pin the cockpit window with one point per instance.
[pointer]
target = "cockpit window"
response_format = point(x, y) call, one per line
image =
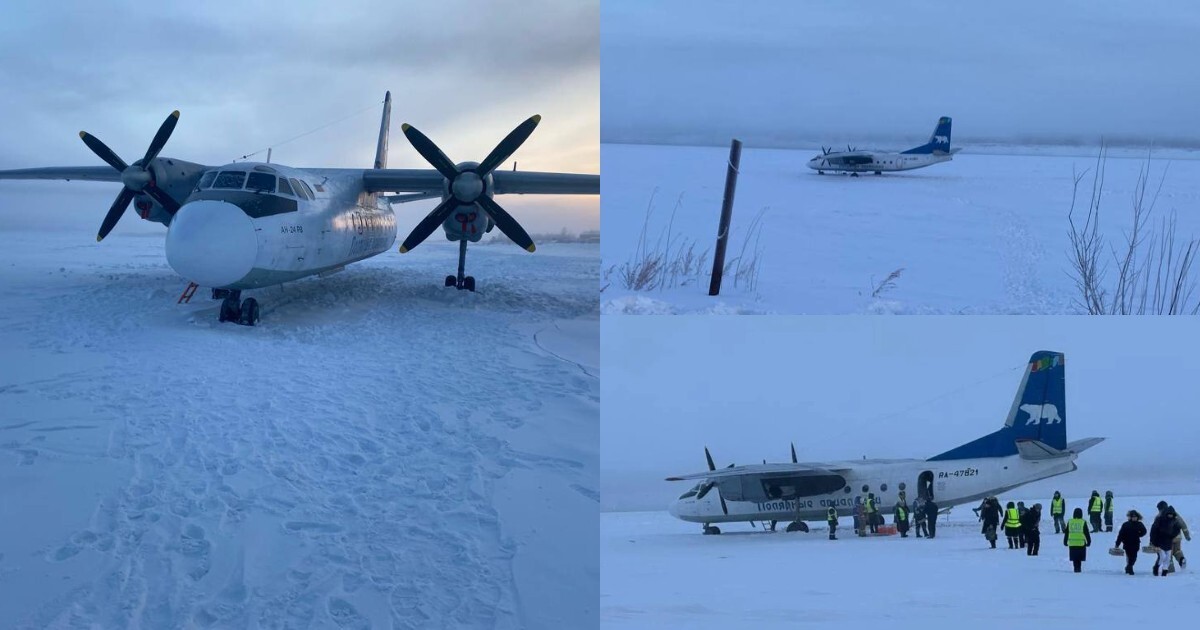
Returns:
point(207, 180)
point(307, 189)
point(260, 182)
point(286, 188)
point(689, 493)
point(299, 190)
point(230, 179)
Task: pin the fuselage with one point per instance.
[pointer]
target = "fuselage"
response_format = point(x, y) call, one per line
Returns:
point(875, 161)
point(249, 225)
point(952, 482)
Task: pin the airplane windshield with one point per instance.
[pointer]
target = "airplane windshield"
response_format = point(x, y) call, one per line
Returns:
point(230, 179)
point(285, 188)
point(690, 493)
point(261, 182)
point(207, 180)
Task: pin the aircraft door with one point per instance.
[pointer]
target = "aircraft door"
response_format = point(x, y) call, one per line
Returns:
point(925, 484)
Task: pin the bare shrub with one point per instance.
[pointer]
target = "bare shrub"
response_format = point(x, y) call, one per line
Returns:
point(1152, 269)
point(887, 284)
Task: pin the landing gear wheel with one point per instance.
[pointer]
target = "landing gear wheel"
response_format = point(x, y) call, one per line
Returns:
point(451, 281)
point(820, 172)
point(853, 174)
point(469, 283)
point(711, 530)
point(231, 309)
point(879, 172)
point(249, 315)
point(797, 526)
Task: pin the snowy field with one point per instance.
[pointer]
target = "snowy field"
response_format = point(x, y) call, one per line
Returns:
point(986, 233)
point(658, 572)
point(380, 451)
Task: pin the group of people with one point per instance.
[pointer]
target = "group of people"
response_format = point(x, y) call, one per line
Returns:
point(922, 515)
point(1022, 529)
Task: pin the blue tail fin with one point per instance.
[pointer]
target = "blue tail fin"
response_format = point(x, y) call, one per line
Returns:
point(939, 142)
point(1039, 412)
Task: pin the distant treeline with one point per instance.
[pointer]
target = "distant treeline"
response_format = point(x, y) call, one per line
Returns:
point(563, 236)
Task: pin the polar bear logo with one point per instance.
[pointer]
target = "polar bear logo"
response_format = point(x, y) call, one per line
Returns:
point(1037, 413)
point(941, 139)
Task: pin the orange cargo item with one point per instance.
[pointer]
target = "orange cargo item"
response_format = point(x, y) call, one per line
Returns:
point(888, 530)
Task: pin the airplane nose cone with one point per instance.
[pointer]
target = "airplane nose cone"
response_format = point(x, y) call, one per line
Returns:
point(211, 243)
point(674, 509)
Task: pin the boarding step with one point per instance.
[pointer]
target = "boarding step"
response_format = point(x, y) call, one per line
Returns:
point(186, 296)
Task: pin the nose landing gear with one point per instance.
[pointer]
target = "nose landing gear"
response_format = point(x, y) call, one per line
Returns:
point(234, 309)
point(462, 281)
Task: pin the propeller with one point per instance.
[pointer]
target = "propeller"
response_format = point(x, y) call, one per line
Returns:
point(137, 177)
point(794, 453)
point(712, 484)
point(469, 185)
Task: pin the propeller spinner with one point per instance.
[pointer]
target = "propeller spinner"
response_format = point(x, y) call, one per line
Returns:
point(469, 186)
point(137, 177)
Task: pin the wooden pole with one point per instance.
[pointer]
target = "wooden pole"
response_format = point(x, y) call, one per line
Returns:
point(735, 158)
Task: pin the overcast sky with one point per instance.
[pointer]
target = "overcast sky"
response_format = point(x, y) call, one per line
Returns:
point(246, 75)
point(792, 73)
point(845, 387)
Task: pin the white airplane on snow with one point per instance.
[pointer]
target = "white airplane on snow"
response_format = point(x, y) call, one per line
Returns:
point(1031, 446)
point(935, 151)
point(251, 225)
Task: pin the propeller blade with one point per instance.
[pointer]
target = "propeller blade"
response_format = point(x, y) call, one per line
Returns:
point(708, 456)
point(724, 508)
point(506, 223)
point(508, 145)
point(794, 453)
point(430, 152)
point(428, 224)
point(166, 201)
point(160, 138)
point(102, 151)
point(115, 212)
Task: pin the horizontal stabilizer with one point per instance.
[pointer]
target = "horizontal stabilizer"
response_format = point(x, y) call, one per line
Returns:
point(1079, 446)
point(1036, 449)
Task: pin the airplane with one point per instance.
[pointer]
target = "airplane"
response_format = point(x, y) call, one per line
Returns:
point(1031, 446)
point(853, 161)
point(249, 225)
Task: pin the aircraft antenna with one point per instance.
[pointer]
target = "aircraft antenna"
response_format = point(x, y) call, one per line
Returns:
point(311, 131)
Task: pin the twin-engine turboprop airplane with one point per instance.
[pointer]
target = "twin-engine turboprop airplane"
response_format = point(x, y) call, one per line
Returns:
point(250, 225)
point(1032, 445)
point(854, 162)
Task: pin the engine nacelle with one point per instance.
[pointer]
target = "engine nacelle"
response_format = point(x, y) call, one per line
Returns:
point(175, 177)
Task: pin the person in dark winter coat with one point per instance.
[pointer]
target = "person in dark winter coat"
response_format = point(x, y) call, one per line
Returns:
point(931, 514)
point(1162, 535)
point(918, 511)
point(989, 513)
point(1095, 507)
point(1012, 525)
point(1021, 510)
point(1031, 523)
point(1108, 510)
point(900, 517)
point(1129, 538)
point(831, 518)
point(1077, 539)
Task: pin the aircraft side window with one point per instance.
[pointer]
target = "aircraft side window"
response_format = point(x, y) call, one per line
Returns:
point(230, 179)
point(261, 182)
point(883, 488)
point(286, 188)
point(207, 180)
point(311, 195)
point(299, 190)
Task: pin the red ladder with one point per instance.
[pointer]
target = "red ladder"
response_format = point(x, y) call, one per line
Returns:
point(186, 296)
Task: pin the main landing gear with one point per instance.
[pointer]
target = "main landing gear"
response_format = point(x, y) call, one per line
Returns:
point(462, 281)
point(234, 309)
point(711, 530)
point(797, 526)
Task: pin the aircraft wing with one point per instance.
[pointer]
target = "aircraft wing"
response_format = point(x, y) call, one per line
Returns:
point(431, 182)
point(759, 470)
point(83, 173)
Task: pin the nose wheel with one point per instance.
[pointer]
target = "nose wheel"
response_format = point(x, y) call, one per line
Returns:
point(462, 281)
point(234, 309)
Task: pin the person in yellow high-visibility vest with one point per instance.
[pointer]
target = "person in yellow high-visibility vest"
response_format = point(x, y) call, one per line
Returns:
point(1012, 525)
point(1077, 539)
point(1095, 508)
point(1057, 512)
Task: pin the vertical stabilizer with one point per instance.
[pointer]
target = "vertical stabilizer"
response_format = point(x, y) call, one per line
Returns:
point(939, 142)
point(381, 149)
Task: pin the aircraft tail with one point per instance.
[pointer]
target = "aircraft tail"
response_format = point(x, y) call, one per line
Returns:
point(939, 142)
point(381, 149)
point(1037, 418)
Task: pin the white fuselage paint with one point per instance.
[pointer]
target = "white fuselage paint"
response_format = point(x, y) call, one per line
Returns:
point(342, 224)
point(879, 162)
point(955, 482)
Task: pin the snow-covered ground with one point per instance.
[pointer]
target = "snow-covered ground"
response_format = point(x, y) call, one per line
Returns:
point(658, 572)
point(986, 233)
point(380, 451)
